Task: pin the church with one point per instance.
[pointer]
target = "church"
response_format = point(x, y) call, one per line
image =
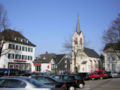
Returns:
point(83, 59)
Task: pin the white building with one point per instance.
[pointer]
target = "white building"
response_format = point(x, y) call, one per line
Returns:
point(83, 59)
point(17, 51)
point(112, 57)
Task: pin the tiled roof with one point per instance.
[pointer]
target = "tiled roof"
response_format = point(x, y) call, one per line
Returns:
point(15, 36)
point(91, 53)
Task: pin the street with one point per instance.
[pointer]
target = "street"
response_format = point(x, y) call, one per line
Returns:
point(106, 84)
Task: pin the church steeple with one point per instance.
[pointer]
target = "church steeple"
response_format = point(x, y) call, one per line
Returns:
point(78, 26)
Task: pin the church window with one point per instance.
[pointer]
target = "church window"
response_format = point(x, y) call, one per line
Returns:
point(80, 41)
point(75, 41)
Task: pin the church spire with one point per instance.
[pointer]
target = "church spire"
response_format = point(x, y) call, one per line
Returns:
point(78, 25)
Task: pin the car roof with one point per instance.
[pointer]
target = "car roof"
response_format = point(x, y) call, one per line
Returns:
point(15, 77)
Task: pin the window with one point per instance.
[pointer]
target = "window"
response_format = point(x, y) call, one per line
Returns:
point(113, 58)
point(11, 83)
point(9, 56)
point(75, 41)
point(80, 41)
point(38, 68)
point(23, 48)
point(16, 47)
point(11, 46)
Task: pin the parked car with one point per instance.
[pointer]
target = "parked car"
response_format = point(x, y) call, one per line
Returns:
point(78, 80)
point(21, 82)
point(70, 80)
point(94, 76)
point(12, 72)
point(115, 75)
point(109, 74)
point(39, 73)
point(102, 74)
point(50, 81)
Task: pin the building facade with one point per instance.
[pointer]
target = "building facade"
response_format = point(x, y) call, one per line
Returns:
point(17, 51)
point(52, 63)
point(112, 57)
point(83, 59)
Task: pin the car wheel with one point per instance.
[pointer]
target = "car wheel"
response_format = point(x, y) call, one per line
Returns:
point(71, 88)
point(81, 85)
point(101, 78)
point(93, 78)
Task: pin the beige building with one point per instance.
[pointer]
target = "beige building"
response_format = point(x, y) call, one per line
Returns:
point(112, 57)
point(83, 59)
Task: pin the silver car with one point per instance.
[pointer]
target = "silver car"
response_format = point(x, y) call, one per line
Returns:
point(21, 82)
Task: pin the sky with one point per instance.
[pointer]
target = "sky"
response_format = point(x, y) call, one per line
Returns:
point(49, 23)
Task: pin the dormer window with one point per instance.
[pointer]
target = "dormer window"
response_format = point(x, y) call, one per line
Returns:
point(21, 40)
point(44, 58)
point(26, 41)
point(15, 38)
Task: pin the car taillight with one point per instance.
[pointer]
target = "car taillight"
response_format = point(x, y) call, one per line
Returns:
point(64, 85)
point(76, 81)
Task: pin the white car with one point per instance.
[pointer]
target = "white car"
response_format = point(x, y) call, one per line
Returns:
point(21, 82)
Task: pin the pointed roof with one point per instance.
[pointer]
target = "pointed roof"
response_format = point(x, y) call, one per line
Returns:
point(78, 26)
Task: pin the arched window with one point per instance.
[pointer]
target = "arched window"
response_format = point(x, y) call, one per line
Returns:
point(75, 41)
point(80, 41)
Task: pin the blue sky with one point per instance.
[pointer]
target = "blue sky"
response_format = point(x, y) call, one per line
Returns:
point(48, 23)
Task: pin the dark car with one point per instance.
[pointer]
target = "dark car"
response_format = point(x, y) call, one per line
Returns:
point(12, 72)
point(21, 82)
point(109, 74)
point(70, 80)
point(49, 81)
point(78, 80)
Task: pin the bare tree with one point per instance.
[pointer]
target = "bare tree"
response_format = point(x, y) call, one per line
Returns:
point(3, 18)
point(112, 35)
point(3, 25)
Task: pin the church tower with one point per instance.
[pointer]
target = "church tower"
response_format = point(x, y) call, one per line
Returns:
point(77, 45)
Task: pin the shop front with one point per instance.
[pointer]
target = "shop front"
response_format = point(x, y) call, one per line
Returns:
point(20, 64)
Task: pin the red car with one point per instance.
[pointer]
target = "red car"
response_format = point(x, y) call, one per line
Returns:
point(94, 76)
point(102, 74)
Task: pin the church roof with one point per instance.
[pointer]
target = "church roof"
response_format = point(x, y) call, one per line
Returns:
point(91, 53)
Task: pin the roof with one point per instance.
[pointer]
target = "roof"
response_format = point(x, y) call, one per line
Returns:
point(40, 60)
point(15, 36)
point(44, 58)
point(91, 53)
point(57, 58)
point(116, 46)
point(78, 26)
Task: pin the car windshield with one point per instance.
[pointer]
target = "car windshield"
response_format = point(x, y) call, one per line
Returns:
point(35, 82)
point(67, 78)
point(77, 77)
